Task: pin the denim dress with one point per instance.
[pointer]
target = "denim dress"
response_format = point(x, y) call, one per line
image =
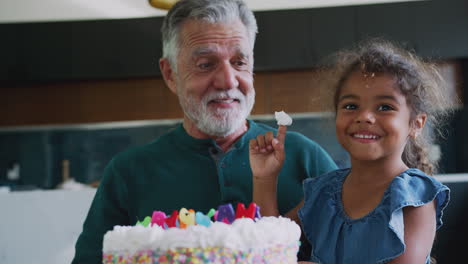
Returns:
point(377, 237)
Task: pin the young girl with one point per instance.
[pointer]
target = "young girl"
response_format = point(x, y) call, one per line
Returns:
point(385, 208)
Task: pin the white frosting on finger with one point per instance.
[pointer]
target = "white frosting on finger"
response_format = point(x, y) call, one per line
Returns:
point(283, 119)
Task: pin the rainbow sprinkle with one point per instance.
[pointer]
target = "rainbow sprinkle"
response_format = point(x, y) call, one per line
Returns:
point(278, 254)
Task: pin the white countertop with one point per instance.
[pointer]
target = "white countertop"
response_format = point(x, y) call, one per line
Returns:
point(41, 227)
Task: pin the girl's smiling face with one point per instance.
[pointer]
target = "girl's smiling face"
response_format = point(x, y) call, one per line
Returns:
point(373, 119)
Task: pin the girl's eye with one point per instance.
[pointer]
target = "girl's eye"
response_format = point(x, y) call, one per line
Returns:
point(349, 107)
point(385, 108)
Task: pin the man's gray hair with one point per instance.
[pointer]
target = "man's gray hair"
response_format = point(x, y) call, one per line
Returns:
point(211, 11)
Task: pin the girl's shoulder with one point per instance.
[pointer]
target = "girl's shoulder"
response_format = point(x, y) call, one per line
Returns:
point(415, 188)
point(417, 175)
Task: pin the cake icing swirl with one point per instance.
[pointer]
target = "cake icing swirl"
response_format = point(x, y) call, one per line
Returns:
point(243, 234)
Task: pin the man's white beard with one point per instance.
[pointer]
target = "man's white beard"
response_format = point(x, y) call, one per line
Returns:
point(219, 122)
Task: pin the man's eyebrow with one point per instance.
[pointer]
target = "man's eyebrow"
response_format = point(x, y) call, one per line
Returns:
point(241, 52)
point(202, 51)
point(243, 55)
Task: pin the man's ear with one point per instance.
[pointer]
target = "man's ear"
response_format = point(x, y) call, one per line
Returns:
point(168, 74)
point(418, 125)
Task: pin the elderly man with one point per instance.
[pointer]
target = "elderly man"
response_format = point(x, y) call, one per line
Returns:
point(208, 63)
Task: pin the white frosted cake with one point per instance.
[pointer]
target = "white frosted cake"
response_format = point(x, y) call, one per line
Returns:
point(263, 240)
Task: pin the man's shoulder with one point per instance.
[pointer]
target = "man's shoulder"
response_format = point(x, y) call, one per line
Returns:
point(161, 144)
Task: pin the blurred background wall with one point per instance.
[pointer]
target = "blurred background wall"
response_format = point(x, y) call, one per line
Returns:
point(59, 79)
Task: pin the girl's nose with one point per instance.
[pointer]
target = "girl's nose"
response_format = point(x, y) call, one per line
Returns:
point(365, 117)
point(226, 77)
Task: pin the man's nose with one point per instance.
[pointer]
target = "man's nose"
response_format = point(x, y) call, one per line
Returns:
point(226, 77)
point(365, 116)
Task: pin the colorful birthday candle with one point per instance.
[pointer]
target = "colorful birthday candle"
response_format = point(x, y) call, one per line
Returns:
point(171, 221)
point(158, 218)
point(226, 213)
point(202, 219)
point(257, 212)
point(211, 213)
point(250, 212)
point(186, 217)
point(145, 221)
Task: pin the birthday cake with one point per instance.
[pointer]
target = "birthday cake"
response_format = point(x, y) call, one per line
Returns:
point(222, 236)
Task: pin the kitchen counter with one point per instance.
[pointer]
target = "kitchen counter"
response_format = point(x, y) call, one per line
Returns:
point(42, 226)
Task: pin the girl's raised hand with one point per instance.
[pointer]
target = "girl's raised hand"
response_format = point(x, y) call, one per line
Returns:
point(266, 154)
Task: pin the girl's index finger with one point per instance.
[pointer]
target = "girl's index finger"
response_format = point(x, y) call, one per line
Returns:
point(281, 135)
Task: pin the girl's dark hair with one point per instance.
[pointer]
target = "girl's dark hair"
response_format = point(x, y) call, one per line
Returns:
point(419, 81)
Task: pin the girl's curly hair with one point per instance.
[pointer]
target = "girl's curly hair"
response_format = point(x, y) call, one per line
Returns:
point(418, 80)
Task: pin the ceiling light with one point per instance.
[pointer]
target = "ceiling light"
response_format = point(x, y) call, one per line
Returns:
point(162, 4)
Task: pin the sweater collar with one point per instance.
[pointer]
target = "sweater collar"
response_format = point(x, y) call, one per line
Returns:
point(184, 139)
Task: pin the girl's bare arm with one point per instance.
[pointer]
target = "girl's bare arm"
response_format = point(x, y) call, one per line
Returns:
point(420, 228)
